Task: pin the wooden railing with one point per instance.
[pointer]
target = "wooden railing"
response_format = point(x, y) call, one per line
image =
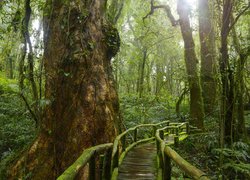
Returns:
point(111, 155)
point(89, 156)
point(166, 154)
point(121, 148)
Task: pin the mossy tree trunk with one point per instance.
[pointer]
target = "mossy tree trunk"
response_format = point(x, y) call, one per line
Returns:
point(191, 61)
point(142, 73)
point(227, 125)
point(240, 85)
point(9, 67)
point(208, 65)
point(82, 104)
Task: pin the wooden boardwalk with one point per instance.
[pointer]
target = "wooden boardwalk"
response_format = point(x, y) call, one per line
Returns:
point(139, 164)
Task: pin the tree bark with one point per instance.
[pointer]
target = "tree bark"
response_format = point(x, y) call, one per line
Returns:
point(158, 79)
point(240, 85)
point(227, 125)
point(27, 44)
point(9, 67)
point(83, 107)
point(142, 72)
point(208, 65)
point(191, 61)
point(179, 101)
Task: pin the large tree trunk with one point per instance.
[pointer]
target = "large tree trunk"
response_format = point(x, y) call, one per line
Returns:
point(208, 67)
point(82, 108)
point(196, 101)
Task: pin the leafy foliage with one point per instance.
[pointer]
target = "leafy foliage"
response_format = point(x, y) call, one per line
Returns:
point(148, 109)
point(163, 77)
point(16, 127)
point(236, 160)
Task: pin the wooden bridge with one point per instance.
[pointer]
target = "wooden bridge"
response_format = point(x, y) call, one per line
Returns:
point(139, 153)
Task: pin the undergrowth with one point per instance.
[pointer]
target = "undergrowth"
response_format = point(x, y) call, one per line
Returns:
point(202, 150)
point(17, 129)
point(148, 109)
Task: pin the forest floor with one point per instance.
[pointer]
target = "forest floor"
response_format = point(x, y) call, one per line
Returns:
point(17, 129)
point(202, 150)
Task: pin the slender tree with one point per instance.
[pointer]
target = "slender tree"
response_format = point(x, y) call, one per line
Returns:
point(191, 61)
point(27, 50)
point(196, 100)
point(240, 84)
point(142, 73)
point(82, 108)
point(229, 97)
point(227, 103)
point(207, 51)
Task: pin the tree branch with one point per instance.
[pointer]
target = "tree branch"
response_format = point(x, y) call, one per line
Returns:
point(26, 40)
point(119, 12)
point(166, 9)
point(238, 16)
point(29, 108)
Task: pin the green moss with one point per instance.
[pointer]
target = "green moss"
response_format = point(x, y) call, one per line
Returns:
point(112, 39)
point(115, 174)
point(72, 171)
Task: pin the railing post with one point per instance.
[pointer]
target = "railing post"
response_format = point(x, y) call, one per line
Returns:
point(92, 166)
point(177, 131)
point(135, 135)
point(124, 142)
point(154, 131)
point(167, 168)
point(187, 127)
point(101, 159)
point(176, 141)
point(161, 154)
point(176, 137)
point(162, 134)
point(158, 146)
point(116, 159)
point(107, 165)
point(161, 159)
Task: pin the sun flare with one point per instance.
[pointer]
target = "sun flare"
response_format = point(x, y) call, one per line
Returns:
point(192, 3)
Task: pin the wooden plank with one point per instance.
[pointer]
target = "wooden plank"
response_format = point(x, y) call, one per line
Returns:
point(139, 163)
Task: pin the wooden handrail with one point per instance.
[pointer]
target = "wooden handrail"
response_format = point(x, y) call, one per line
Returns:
point(112, 157)
point(184, 165)
point(116, 152)
point(165, 154)
point(71, 172)
point(118, 138)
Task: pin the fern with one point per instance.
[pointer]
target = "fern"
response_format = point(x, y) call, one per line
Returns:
point(236, 160)
point(238, 167)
